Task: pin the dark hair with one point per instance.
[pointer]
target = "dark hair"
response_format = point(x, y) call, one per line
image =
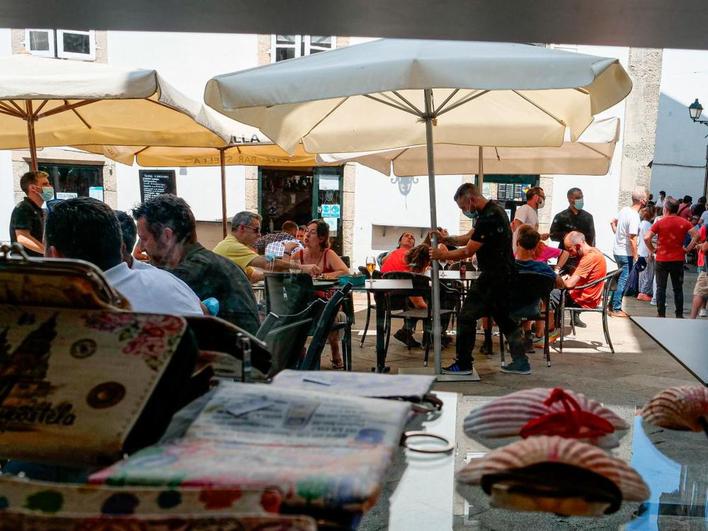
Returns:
point(528, 237)
point(127, 229)
point(418, 258)
point(87, 229)
point(322, 232)
point(702, 199)
point(662, 193)
point(573, 191)
point(167, 210)
point(671, 205)
point(465, 190)
point(30, 178)
point(289, 226)
point(536, 190)
point(687, 199)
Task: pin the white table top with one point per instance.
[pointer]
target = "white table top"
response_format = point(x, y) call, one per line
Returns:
point(685, 339)
point(385, 284)
point(455, 275)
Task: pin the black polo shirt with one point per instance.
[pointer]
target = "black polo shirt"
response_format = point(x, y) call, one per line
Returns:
point(567, 221)
point(27, 216)
point(495, 258)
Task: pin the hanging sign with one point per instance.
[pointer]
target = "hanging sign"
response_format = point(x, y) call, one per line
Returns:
point(331, 211)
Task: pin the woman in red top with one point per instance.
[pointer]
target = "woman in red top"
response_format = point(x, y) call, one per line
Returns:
point(317, 251)
point(671, 231)
point(396, 259)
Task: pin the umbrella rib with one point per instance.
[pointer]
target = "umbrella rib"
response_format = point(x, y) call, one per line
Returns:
point(496, 150)
point(6, 109)
point(77, 114)
point(442, 105)
point(19, 109)
point(462, 102)
point(41, 106)
point(540, 108)
point(395, 106)
point(404, 100)
point(68, 107)
point(593, 149)
point(325, 117)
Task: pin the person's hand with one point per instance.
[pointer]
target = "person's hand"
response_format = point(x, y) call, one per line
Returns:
point(289, 246)
point(544, 235)
point(310, 269)
point(438, 253)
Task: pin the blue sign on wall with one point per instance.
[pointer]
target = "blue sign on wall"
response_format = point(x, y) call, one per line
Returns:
point(331, 211)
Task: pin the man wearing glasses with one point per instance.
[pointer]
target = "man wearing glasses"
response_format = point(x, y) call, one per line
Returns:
point(238, 247)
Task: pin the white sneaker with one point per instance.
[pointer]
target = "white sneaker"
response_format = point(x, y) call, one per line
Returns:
point(703, 313)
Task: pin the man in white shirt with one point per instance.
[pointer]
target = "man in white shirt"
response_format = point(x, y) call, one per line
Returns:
point(660, 202)
point(626, 227)
point(528, 214)
point(87, 229)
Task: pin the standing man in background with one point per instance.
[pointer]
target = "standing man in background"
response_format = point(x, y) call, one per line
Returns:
point(27, 220)
point(626, 228)
point(528, 214)
point(574, 218)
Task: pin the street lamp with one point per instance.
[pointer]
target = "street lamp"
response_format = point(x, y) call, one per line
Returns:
point(694, 111)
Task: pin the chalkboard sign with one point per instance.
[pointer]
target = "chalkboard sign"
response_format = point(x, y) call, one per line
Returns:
point(156, 182)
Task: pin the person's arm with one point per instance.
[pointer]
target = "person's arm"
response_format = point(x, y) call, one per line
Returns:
point(458, 254)
point(591, 240)
point(556, 233)
point(648, 241)
point(336, 263)
point(560, 283)
point(613, 225)
point(457, 241)
point(516, 224)
point(633, 244)
point(28, 241)
point(418, 302)
point(562, 259)
point(694, 240)
point(573, 281)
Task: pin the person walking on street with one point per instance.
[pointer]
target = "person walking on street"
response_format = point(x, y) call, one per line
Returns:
point(671, 231)
point(27, 219)
point(490, 240)
point(626, 229)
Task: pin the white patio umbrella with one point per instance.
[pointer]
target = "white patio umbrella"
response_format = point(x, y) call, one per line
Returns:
point(52, 102)
point(590, 155)
point(394, 93)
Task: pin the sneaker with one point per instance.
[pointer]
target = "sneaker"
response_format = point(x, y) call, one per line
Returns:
point(703, 313)
point(405, 337)
point(553, 335)
point(457, 368)
point(517, 367)
point(577, 322)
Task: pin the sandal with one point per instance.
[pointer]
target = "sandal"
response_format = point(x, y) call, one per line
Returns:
point(338, 366)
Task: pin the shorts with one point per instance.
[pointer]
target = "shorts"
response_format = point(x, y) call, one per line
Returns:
point(701, 287)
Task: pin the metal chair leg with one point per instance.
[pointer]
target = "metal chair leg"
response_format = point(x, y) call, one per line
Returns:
point(562, 321)
point(606, 330)
point(368, 318)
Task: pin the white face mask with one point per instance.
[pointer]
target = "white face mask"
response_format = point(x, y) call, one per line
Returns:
point(541, 203)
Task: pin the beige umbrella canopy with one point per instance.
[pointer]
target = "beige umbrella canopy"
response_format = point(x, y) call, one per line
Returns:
point(52, 102)
point(590, 155)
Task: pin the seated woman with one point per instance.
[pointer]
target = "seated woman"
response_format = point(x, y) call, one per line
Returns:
point(317, 251)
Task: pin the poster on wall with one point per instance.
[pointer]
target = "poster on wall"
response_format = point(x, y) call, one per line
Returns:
point(156, 182)
point(96, 192)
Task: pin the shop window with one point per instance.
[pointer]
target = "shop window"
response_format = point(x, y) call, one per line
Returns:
point(61, 43)
point(290, 46)
point(75, 180)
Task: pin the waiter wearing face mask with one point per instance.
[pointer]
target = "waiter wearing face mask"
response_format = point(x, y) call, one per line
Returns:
point(528, 214)
point(27, 220)
point(490, 240)
point(574, 218)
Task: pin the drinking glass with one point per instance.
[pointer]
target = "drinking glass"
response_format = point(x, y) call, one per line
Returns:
point(371, 267)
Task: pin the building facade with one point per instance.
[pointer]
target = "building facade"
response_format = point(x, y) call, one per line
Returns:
point(366, 210)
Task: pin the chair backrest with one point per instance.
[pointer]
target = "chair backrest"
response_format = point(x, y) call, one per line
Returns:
point(421, 288)
point(324, 325)
point(346, 260)
point(530, 288)
point(610, 286)
point(380, 257)
point(286, 293)
point(364, 271)
point(286, 343)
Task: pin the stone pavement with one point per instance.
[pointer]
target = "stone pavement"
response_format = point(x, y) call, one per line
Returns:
point(638, 369)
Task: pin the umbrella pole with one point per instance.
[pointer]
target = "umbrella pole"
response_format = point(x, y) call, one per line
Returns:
point(435, 282)
point(31, 136)
point(222, 162)
point(480, 165)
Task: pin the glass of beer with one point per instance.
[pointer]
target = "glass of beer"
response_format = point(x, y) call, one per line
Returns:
point(371, 267)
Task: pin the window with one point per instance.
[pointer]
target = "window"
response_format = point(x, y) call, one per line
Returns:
point(74, 180)
point(61, 43)
point(40, 42)
point(290, 46)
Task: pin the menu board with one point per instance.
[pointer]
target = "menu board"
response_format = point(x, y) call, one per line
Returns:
point(156, 182)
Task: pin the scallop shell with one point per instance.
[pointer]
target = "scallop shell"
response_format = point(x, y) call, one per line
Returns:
point(505, 416)
point(555, 449)
point(678, 408)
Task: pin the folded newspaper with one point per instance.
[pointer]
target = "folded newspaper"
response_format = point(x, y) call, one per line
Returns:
point(325, 453)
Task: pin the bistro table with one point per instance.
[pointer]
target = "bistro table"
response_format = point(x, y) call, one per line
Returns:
point(685, 340)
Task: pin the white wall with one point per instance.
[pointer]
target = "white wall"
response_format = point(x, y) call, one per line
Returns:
point(187, 61)
point(600, 192)
point(680, 155)
point(7, 194)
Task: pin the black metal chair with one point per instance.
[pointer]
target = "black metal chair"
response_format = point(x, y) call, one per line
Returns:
point(610, 283)
point(370, 305)
point(288, 293)
point(326, 323)
point(398, 305)
point(286, 343)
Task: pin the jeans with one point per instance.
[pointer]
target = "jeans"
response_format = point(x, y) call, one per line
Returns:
point(487, 298)
point(646, 278)
point(662, 271)
point(625, 264)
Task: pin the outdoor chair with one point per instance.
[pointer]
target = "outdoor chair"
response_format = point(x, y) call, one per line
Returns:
point(287, 293)
point(286, 343)
point(326, 323)
point(530, 290)
point(369, 304)
point(399, 307)
point(610, 282)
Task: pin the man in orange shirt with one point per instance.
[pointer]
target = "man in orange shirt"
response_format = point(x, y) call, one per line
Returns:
point(591, 267)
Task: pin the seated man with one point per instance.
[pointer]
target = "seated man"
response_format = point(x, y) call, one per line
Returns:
point(87, 229)
point(245, 229)
point(528, 241)
point(168, 233)
point(591, 267)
